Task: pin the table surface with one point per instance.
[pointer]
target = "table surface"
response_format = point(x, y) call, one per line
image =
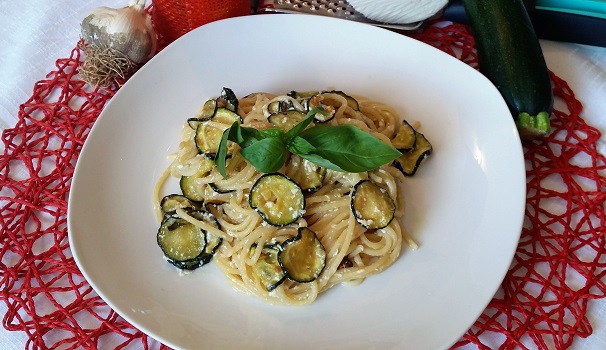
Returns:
point(35, 33)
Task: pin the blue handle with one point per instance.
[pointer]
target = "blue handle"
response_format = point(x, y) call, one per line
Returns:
point(591, 8)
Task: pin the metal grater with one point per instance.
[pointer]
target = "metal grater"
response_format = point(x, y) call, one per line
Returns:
point(335, 8)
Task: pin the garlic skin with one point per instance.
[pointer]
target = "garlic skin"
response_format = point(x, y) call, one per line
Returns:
point(126, 30)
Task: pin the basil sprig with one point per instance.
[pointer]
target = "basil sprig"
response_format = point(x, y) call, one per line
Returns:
point(341, 147)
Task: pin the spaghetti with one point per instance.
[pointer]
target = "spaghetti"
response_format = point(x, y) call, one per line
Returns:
point(352, 251)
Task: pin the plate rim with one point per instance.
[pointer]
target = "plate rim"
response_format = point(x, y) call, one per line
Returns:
point(73, 239)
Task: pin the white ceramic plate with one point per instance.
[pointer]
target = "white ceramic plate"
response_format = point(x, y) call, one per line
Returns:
point(465, 207)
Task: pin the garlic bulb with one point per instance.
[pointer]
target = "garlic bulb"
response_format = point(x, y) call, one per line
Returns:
point(116, 42)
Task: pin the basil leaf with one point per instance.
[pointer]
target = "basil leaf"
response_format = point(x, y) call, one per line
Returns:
point(340, 148)
point(243, 136)
point(246, 136)
point(233, 133)
point(299, 145)
point(271, 132)
point(321, 161)
point(267, 155)
point(349, 148)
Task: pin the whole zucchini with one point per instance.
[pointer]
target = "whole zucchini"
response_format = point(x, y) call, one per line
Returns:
point(510, 56)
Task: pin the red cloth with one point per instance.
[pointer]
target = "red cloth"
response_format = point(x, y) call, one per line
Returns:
point(535, 306)
point(174, 18)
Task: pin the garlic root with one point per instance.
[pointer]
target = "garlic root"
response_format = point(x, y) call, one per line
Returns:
point(116, 42)
point(104, 66)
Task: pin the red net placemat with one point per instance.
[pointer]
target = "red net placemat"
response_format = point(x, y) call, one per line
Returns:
point(542, 303)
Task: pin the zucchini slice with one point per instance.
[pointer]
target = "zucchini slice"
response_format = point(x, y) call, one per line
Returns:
point(212, 241)
point(286, 120)
point(228, 100)
point(408, 163)
point(302, 94)
point(207, 138)
point(371, 205)
point(303, 97)
point(404, 139)
point(278, 199)
point(307, 174)
point(319, 101)
point(194, 122)
point(200, 165)
point(207, 110)
point(171, 202)
point(212, 244)
point(226, 116)
point(182, 243)
point(280, 106)
point(274, 107)
point(302, 257)
point(192, 189)
point(268, 268)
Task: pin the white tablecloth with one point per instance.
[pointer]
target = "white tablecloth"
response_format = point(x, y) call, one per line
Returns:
point(34, 33)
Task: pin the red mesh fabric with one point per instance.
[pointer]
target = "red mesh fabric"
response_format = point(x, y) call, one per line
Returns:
point(173, 18)
point(542, 302)
point(46, 295)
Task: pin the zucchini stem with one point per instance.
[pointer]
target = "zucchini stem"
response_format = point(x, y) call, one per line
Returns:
point(532, 126)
